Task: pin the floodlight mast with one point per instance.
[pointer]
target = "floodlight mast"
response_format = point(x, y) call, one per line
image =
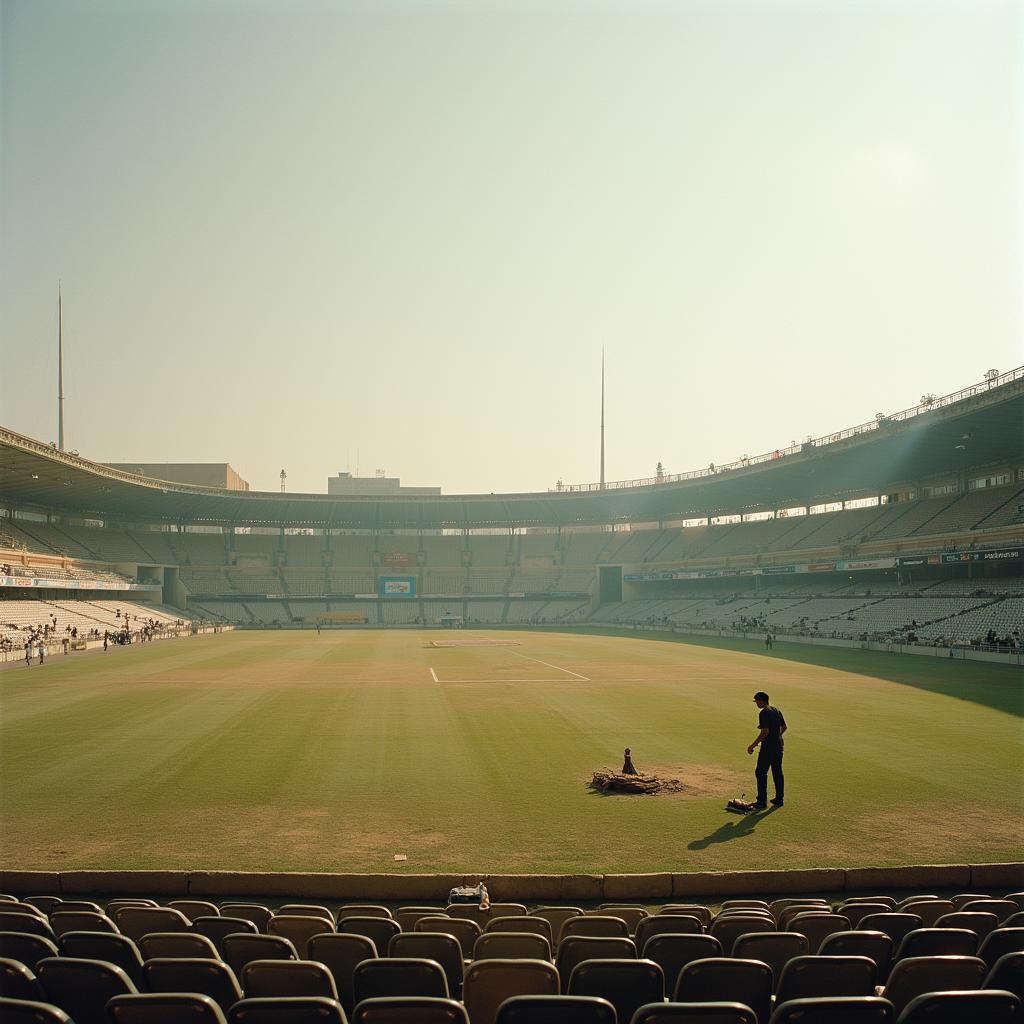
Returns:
point(60, 370)
point(602, 417)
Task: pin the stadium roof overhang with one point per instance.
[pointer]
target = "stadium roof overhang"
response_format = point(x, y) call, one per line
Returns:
point(984, 429)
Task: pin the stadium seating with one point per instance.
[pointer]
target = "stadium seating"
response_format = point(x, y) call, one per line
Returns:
point(434, 957)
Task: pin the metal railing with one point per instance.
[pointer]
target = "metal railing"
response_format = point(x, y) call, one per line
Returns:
point(817, 442)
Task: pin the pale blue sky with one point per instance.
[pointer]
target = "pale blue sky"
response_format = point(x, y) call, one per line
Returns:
point(290, 232)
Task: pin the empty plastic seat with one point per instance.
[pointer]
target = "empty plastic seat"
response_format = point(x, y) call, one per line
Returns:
point(811, 977)
point(398, 976)
point(856, 912)
point(306, 910)
point(465, 932)
point(728, 929)
point(25, 1011)
point(963, 898)
point(287, 1010)
point(1007, 973)
point(961, 1007)
point(287, 978)
point(176, 945)
point(876, 945)
point(746, 903)
point(596, 925)
point(795, 909)
point(300, 928)
point(138, 921)
point(519, 924)
point(577, 948)
point(195, 908)
point(667, 924)
point(997, 943)
point(511, 946)
point(981, 923)
point(555, 1010)
point(25, 909)
point(1001, 908)
point(694, 1013)
point(775, 949)
point(631, 915)
point(818, 927)
point(410, 1010)
point(212, 978)
point(135, 901)
point(408, 916)
point(894, 925)
point(217, 928)
point(27, 924)
point(835, 1010)
point(114, 949)
point(488, 983)
point(88, 906)
point(697, 910)
point(626, 984)
point(468, 912)
point(18, 982)
point(928, 910)
point(258, 914)
point(556, 917)
point(340, 954)
point(81, 988)
point(506, 909)
point(438, 946)
point(238, 950)
point(26, 949)
point(361, 910)
point(62, 921)
point(938, 942)
point(721, 980)
point(673, 952)
point(379, 929)
point(46, 904)
point(777, 906)
point(164, 1008)
point(919, 974)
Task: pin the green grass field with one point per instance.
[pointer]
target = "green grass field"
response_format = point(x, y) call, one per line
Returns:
point(288, 751)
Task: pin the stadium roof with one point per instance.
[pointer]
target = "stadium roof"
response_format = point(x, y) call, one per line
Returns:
point(974, 428)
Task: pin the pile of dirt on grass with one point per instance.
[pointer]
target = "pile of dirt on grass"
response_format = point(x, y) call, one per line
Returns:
point(615, 782)
point(671, 779)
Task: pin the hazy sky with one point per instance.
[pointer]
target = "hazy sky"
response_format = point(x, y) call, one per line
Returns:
point(340, 235)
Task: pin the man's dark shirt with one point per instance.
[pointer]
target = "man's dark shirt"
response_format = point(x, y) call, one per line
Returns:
point(771, 719)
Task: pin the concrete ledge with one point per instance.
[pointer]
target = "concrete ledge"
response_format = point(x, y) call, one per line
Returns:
point(397, 888)
point(1008, 876)
point(323, 886)
point(632, 887)
point(556, 888)
point(135, 883)
point(757, 883)
point(920, 877)
point(30, 883)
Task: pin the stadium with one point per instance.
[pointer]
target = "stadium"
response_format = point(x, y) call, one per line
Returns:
point(658, 678)
point(214, 655)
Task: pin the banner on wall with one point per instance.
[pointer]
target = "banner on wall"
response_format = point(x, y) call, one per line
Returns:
point(48, 584)
point(989, 555)
point(866, 563)
point(908, 561)
point(397, 586)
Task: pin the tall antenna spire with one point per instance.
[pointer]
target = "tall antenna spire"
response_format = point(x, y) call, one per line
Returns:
point(602, 417)
point(60, 370)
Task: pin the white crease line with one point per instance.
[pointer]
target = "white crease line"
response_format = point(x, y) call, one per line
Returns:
point(557, 668)
point(455, 682)
point(433, 675)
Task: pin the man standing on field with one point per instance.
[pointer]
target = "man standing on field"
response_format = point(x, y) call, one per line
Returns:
point(769, 739)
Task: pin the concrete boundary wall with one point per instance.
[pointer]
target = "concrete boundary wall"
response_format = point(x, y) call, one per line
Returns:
point(652, 888)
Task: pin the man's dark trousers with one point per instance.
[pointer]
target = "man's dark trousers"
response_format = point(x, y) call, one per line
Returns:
point(769, 757)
